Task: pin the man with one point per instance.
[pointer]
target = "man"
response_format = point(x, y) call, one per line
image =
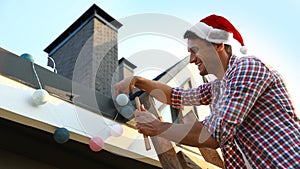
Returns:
point(253, 119)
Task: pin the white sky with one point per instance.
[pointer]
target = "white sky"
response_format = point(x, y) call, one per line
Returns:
point(270, 28)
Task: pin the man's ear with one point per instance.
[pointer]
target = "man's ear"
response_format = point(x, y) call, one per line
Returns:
point(220, 47)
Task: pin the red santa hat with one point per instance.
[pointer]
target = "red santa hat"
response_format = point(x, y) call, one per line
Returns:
point(217, 29)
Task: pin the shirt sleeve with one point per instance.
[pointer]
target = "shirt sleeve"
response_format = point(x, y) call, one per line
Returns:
point(245, 83)
point(188, 97)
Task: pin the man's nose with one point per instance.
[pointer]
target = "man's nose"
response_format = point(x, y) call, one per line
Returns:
point(192, 58)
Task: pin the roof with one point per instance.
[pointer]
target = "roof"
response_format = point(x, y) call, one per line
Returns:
point(167, 75)
point(56, 84)
point(93, 11)
point(28, 122)
point(127, 62)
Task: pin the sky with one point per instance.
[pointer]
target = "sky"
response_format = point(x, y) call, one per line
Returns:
point(269, 28)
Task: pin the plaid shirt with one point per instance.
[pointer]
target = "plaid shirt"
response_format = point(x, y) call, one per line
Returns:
point(251, 109)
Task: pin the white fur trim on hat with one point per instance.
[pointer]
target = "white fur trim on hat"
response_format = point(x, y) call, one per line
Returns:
point(244, 50)
point(211, 34)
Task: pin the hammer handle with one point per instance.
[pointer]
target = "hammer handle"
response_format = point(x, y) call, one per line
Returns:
point(146, 138)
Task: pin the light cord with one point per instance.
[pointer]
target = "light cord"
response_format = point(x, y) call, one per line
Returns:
point(54, 65)
point(36, 75)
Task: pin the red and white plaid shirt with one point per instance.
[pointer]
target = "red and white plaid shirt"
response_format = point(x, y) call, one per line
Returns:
point(253, 110)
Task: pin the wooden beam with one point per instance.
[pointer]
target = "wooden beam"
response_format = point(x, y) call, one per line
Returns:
point(210, 155)
point(163, 147)
point(186, 162)
point(191, 162)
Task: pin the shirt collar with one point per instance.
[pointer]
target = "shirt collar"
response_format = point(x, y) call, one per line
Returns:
point(231, 62)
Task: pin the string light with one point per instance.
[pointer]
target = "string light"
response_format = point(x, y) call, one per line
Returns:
point(122, 99)
point(96, 144)
point(40, 96)
point(116, 130)
point(27, 57)
point(61, 134)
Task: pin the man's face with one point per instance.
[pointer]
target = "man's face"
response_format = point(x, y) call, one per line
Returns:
point(203, 55)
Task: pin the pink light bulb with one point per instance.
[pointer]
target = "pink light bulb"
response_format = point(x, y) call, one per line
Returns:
point(96, 144)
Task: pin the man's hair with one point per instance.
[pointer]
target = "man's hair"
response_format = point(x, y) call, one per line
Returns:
point(192, 36)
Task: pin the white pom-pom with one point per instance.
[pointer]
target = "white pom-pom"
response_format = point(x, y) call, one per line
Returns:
point(122, 99)
point(40, 96)
point(116, 130)
point(243, 50)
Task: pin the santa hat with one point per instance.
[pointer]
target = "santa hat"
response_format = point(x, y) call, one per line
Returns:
point(217, 29)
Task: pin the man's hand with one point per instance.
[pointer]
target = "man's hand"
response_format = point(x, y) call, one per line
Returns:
point(124, 86)
point(147, 123)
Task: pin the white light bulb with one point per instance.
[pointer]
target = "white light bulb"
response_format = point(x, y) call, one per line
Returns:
point(40, 96)
point(122, 99)
point(116, 130)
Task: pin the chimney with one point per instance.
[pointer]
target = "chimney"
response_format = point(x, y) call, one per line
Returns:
point(126, 68)
point(87, 51)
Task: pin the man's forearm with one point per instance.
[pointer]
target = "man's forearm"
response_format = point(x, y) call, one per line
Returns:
point(160, 91)
point(192, 134)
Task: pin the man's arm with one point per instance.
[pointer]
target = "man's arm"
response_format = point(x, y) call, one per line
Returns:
point(192, 134)
point(159, 91)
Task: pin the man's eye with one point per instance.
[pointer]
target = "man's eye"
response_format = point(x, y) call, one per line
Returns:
point(195, 50)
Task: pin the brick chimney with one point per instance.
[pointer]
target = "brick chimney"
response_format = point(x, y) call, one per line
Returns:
point(87, 51)
point(126, 68)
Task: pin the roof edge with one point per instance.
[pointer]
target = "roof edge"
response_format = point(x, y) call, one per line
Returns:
point(127, 62)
